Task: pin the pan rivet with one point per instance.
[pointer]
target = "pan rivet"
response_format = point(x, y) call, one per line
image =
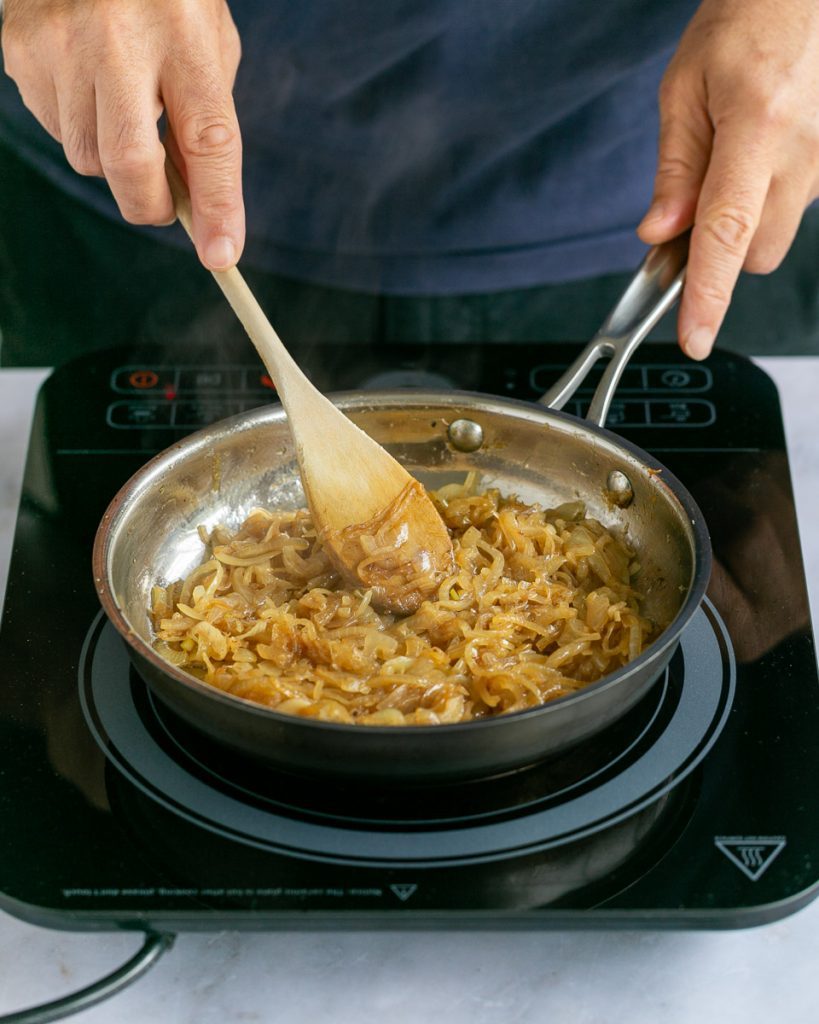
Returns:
point(465, 435)
point(620, 491)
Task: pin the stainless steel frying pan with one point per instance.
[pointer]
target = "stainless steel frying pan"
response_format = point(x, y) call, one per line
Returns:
point(149, 535)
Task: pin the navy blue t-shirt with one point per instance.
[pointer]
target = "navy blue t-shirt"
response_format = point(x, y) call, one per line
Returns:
point(435, 146)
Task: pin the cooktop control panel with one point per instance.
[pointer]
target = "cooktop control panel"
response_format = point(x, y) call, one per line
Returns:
point(156, 395)
point(143, 400)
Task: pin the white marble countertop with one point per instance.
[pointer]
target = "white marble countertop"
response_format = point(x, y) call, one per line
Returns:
point(735, 977)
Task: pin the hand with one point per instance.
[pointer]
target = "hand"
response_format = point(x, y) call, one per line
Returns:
point(98, 74)
point(739, 149)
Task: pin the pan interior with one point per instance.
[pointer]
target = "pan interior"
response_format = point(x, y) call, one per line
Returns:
point(218, 475)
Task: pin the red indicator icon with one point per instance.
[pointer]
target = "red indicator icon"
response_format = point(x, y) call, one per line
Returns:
point(143, 379)
point(266, 382)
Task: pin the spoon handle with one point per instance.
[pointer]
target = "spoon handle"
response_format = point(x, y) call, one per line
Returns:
point(283, 369)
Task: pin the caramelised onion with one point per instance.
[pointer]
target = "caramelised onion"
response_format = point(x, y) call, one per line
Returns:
point(540, 603)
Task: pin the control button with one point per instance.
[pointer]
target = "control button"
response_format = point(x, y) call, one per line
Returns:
point(260, 382)
point(621, 413)
point(144, 379)
point(626, 414)
point(678, 378)
point(201, 414)
point(136, 415)
point(542, 377)
point(210, 379)
point(631, 379)
point(691, 412)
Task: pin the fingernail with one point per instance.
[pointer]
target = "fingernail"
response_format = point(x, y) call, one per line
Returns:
point(220, 253)
point(699, 342)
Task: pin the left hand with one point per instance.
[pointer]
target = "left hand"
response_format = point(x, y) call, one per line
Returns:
point(739, 149)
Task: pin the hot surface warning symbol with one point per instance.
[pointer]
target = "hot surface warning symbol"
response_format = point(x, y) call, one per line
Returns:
point(753, 855)
point(403, 890)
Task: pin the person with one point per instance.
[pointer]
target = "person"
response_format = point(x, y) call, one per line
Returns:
point(426, 170)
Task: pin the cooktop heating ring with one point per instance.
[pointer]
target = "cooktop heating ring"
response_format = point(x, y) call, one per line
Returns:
point(641, 775)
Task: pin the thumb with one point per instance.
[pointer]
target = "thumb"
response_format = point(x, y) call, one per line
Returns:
point(686, 137)
point(207, 145)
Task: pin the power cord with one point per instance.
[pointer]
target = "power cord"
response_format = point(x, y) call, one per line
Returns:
point(156, 943)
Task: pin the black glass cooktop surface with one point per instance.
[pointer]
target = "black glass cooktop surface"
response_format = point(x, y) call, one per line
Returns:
point(697, 808)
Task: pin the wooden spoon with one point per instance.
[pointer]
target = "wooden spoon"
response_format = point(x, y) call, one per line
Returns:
point(376, 521)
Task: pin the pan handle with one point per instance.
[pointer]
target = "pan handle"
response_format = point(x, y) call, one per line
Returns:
point(651, 292)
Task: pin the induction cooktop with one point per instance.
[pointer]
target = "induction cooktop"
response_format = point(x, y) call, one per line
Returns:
point(697, 809)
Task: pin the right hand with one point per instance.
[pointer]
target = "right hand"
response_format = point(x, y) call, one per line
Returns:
point(98, 74)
